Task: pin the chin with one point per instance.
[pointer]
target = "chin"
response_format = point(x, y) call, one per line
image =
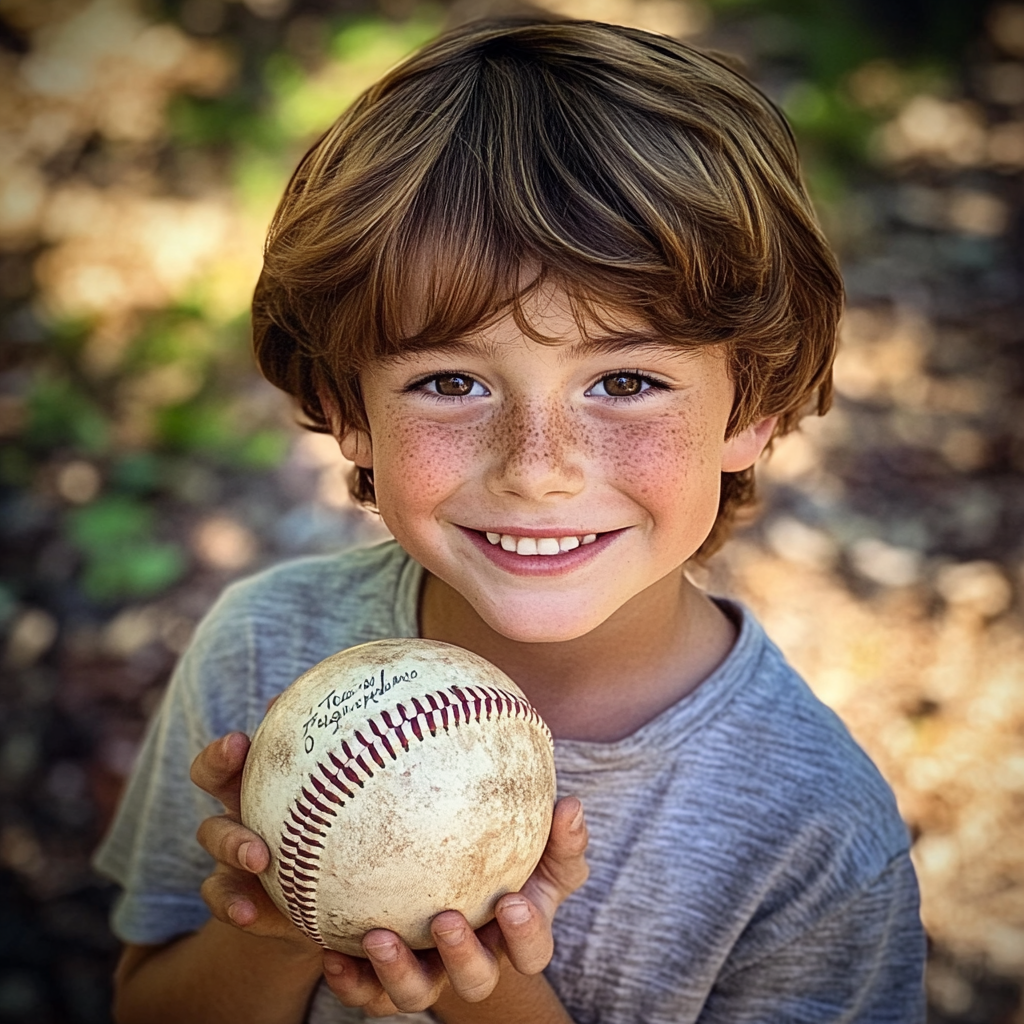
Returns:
point(539, 625)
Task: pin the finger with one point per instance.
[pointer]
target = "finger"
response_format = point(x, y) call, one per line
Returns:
point(472, 969)
point(217, 769)
point(526, 933)
point(410, 983)
point(563, 867)
point(231, 843)
point(354, 982)
point(569, 836)
point(238, 899)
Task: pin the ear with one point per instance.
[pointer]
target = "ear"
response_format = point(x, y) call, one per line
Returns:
point(357, 447)
point(743, 449)
point(354, 443)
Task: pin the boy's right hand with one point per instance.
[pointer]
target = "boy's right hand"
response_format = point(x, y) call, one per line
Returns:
point(233, 892)
point(236, 897)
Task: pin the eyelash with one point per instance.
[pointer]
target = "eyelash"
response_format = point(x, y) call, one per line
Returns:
point(421, 386)
point(645, 378)
point(654, 384)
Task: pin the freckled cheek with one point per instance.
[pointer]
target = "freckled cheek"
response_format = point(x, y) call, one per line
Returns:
point(663, 461)
point(416, 465)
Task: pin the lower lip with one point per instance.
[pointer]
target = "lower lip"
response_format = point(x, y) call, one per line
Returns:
point(541, 565)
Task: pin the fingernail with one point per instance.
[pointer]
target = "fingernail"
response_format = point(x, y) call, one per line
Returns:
point(384, 952)
point(334, 965)
point(577, 822)
point(237, 912)
point(243, 855)
point(451, 936)
point(515, 912)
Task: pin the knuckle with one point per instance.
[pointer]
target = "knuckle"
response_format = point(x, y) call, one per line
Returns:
point(354, 996)
point(534, 957)
point(212, 893)
point(412, 1003)
point(207, 829)
point(475, 991)
point(214, 836)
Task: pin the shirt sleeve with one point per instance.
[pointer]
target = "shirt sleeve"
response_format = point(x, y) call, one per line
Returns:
point(861, 962)
point(151, 850)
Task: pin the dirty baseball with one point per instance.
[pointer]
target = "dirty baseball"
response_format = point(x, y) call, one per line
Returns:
point(393, 781)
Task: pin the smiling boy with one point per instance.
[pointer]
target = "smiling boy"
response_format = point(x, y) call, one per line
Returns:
point(553, 287)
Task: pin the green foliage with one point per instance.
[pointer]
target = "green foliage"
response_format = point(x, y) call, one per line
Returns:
point(822, 44)
point(15, 466)
point(136, 473)
point(201, 427)
point(359, 51)
point(60, 414)
point(265, 449)
point(828, 118)
point(208, 427)
point(121, 556)
point(108, 522)
point(222, 122)
point(172, 336)
point(259, 176)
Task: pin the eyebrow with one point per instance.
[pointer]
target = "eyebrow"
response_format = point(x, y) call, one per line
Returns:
point(617, 343)
point(589, 346)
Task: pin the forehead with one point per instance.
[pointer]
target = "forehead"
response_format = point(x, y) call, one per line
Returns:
point(552, 333)
point(540, 309)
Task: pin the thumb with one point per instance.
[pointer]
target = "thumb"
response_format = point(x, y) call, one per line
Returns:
point(563, 867)
point(217, 769)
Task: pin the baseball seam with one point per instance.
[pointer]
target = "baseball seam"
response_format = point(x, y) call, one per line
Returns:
point(329, 787)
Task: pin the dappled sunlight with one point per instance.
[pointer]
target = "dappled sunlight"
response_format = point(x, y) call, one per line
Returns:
point(145, 464)
point(936, 696)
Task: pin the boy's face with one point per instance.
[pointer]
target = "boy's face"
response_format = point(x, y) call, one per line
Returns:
point(611, 457)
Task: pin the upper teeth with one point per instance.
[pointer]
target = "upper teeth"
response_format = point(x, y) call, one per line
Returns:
point(539, 545)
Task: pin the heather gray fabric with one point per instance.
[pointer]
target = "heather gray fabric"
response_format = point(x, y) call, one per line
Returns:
point(747, 860)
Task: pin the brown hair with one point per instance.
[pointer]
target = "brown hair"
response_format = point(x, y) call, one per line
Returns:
point(636, 172)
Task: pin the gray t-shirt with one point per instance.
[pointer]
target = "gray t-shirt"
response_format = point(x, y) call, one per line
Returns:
point(748, 863)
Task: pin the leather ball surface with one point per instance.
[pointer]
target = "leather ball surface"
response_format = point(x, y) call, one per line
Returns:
point(395, 780)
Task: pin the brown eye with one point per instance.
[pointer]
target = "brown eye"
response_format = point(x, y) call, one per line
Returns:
point(453, 385)
point(622, 385)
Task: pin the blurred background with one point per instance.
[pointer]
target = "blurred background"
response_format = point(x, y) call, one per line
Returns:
point(144, 464)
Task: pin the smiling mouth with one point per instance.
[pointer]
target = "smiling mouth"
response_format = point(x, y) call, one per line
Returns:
point(539, 545)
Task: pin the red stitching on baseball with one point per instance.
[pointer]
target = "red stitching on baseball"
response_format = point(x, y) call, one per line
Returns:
point(338, 784)
point(302, 851)
point(325, 792)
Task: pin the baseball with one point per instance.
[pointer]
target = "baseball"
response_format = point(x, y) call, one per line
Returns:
point(395, 780)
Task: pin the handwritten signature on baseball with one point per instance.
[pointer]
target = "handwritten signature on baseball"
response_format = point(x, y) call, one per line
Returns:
point(326, 717)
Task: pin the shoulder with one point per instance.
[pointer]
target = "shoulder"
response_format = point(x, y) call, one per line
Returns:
point(266, 630)
point(764, 824)
point(812, 823)
point(774, 802)
point(329, 585)
point(802, 762)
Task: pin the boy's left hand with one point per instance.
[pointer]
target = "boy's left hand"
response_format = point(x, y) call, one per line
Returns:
point(396, 980)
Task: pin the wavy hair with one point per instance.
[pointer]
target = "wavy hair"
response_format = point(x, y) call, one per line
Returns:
point(639, 174)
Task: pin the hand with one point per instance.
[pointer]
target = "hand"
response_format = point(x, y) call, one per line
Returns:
point(396, 980)
point(233, 892)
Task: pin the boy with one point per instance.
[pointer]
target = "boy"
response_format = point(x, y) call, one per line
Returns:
point(554, 287)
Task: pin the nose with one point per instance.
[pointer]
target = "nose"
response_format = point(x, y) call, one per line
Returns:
point(537, 451)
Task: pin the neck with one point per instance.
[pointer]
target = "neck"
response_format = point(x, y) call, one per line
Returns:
point(659, 646)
